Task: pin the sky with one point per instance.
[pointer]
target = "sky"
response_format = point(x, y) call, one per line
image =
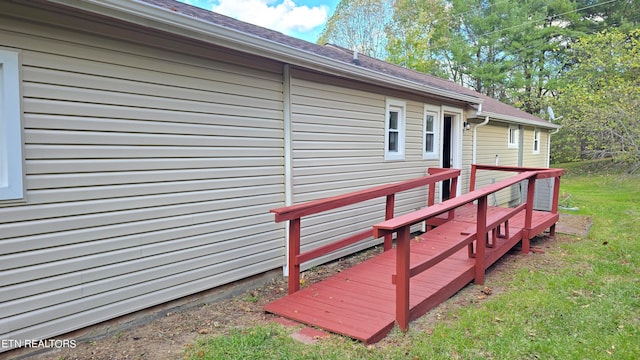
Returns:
point(303, 19)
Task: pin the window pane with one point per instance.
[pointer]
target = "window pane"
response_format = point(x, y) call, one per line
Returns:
point(393, 141)
point(429, 143)
point(429, 123)
point(393, 120)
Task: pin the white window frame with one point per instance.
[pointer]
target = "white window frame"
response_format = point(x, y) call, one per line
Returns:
point(536, 141)
point(435, 112)
point(401, 108)
point(513, 137)
point(11, 176)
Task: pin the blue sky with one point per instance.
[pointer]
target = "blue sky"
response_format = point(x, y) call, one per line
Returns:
point(303, 19)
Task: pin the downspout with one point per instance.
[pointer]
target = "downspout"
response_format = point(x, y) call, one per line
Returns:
point(548, 162)
point(520, 145)
point(474, 142)
point(288, 156)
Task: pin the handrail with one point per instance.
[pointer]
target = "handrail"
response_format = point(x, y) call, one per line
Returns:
point(542, 172)
point(294, 213)
point(417, 216)
point(401, 226)
point(334, 202)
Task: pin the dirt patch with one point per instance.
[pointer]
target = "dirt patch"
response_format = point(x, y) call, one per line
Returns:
point(576, 225)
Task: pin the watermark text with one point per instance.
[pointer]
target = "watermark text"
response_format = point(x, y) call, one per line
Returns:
point(32, 343)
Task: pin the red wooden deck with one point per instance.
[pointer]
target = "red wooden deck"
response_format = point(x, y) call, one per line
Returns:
point(360, 302)
point(403, 283)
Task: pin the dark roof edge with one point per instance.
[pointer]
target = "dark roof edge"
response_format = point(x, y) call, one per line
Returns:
point(170, 21)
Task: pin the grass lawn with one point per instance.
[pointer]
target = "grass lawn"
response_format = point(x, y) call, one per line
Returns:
point(580, 299)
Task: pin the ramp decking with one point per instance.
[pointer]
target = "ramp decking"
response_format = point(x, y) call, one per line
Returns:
point(464, 237)
point(360, 302)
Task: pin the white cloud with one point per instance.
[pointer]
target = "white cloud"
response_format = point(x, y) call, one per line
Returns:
point(285, 16)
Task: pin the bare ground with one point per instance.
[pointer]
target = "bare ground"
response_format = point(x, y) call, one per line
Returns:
point(168, 336)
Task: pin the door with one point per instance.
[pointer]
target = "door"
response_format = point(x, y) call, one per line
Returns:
point(447, 159)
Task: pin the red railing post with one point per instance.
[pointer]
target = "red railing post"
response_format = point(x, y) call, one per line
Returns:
point(453, 192)
point(294, 251)
point(554, 205)
point(389, 210)
point(481, 239)
point(432, 195)
point(528, 219)
point(472, 178)
point(430, 201)
point(402, 277)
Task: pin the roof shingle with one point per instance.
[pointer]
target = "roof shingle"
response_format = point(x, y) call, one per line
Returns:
point(491, 106)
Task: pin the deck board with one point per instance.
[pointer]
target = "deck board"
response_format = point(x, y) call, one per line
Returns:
point(359, 302)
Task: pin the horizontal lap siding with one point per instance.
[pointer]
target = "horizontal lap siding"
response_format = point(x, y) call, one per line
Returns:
point(544, 187)
point(492, 141)
point(338, 147)
point(531, 159)
point(149, 176)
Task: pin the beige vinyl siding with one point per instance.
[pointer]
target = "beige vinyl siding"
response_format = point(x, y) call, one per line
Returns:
point(492, 141)
point(544, 187)
point(149, 176)
point(338, 147)
point(531, 159)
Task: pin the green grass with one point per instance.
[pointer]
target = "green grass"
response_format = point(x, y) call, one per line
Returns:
point(578, 300)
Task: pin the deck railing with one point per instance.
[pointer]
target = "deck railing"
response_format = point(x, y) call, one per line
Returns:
point(294, 213)
point(401, 226)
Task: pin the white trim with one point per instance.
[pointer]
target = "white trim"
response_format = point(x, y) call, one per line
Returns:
point(456, 139)
point(11, 176)
point(393, 105)
point(520, 121)
point(515, 144)
point(435, 112)
point(536, 141)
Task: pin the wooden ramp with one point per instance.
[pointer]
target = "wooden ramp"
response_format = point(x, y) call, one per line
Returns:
point(403, 283)
point(360, 302)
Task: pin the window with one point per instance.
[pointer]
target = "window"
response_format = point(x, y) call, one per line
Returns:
point(10, 130)
point(395, 130)
point(430, 143)
point(536, 141)
point(514, 134)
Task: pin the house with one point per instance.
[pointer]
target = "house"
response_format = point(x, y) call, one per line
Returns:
point(144, 142)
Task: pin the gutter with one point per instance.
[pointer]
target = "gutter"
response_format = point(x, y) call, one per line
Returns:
point(521, 121)
point(161, 19)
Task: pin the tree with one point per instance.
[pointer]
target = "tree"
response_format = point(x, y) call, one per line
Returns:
point(359, 25)
point(600, 99)
point(418, 35)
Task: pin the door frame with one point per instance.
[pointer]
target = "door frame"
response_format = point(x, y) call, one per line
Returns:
point(456, 115)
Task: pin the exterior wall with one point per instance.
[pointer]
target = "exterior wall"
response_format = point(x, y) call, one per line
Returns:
point(149, 176)
point(531, 159)
point(492, 147)
point(544, 187)
point(338, 147)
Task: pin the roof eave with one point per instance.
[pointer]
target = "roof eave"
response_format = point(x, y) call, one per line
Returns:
point(521, 121)
point(164, 20)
